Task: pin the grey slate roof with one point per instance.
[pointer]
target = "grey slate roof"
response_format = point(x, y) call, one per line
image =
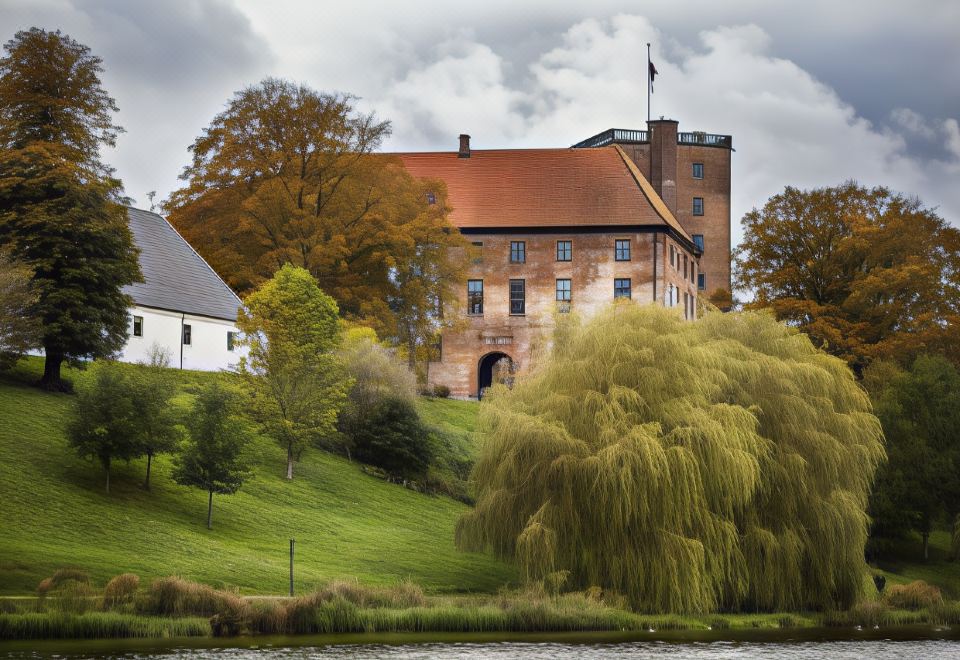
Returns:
point(176, 278)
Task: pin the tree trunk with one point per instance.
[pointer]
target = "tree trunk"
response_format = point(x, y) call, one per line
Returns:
point(146, 484)
point(412, 353)
point(107, 468)
point(51, 372)
point(289, 461)
point(210, 510)
point(926, 545)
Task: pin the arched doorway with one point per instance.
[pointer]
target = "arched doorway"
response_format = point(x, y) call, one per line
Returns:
point(494, 368)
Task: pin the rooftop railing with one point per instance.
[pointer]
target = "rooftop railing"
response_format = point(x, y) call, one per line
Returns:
point(614, 135)
point(708, 139)
point(630, 136)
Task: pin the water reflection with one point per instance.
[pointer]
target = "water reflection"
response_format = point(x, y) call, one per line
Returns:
point(938, 645)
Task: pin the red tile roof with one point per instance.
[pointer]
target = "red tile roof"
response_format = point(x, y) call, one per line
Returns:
point(502, 188)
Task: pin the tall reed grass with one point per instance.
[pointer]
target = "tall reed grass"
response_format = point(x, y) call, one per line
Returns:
point(173, 606)
point(95, 625)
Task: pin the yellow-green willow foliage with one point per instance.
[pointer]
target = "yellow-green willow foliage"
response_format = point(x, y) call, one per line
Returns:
point(720, 464)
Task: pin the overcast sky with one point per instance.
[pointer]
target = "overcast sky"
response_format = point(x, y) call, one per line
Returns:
point(813, 92)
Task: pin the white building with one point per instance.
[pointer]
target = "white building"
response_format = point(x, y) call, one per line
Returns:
point(182, 305)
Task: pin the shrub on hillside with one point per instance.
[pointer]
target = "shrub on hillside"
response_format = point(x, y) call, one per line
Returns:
point(377, 374)
point(174, 596)
point(916, 595)
point(120, 590)
point(71, 597)
point(67, 591)
point(60, 577)
point(393, 438)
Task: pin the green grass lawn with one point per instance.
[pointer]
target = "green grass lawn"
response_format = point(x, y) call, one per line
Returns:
point(908, 565)
point(347, 524)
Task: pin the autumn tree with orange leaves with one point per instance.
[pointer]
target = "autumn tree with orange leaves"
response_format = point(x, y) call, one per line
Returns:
point(866, 272)
point(286, 174)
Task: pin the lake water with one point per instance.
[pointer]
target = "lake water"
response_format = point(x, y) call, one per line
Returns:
point(934, 643)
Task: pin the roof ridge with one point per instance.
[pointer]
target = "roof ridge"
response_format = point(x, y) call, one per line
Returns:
point(648, 191)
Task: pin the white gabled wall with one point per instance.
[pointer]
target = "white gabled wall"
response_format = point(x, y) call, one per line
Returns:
point(207, 350)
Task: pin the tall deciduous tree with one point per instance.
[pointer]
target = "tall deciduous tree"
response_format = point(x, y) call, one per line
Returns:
point(867, 273)
point(691, 466)
point(426, 280)
point(19, 328)
point(104, 421)
point(60, 206)
point(212, 458)
point(920, 412)
point(287, 174)
point(292, 330)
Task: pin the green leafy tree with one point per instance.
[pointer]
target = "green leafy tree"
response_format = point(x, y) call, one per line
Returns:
point(291, 328)
point(152, 387)
point(104, 421)
point(394, 438)
point(60, 206)
point(919, 486)
point(19, 329)
point(867, 273)
point(691, 466)
point(212, 458)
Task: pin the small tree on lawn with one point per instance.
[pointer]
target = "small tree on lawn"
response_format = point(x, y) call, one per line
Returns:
point(291, 328)
point(103, 424)
point(212, 458)
point(151, 388)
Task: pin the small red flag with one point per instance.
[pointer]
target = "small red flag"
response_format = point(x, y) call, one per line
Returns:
point(653, 73)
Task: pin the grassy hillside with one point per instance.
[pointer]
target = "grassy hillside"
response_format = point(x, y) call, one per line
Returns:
point(347, 524)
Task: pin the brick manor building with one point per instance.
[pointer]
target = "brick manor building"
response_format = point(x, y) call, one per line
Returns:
point(643, 215)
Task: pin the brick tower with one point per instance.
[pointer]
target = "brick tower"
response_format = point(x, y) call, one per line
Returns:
point(691, 173)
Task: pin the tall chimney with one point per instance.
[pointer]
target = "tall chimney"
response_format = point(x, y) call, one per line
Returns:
point(663, 160)
point(464, 146)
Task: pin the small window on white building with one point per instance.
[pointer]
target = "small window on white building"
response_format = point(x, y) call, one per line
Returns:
point(137, 326)
point(186, 335)
point(231, 337)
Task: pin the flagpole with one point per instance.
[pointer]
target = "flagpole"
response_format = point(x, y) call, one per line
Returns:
point(648, 83)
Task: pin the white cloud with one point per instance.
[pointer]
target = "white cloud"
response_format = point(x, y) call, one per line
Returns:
point(951, 131)
point(912, 122)
point(461, 89)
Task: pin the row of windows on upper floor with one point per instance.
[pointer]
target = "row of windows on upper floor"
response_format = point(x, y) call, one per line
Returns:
point(622, 288)
point(186, 336)
point(621, 250)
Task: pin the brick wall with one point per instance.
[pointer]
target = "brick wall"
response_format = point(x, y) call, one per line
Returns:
point(714, 224)
point(669, 168)
point(591, 271)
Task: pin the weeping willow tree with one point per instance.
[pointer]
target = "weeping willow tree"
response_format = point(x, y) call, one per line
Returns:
point(722, 464)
